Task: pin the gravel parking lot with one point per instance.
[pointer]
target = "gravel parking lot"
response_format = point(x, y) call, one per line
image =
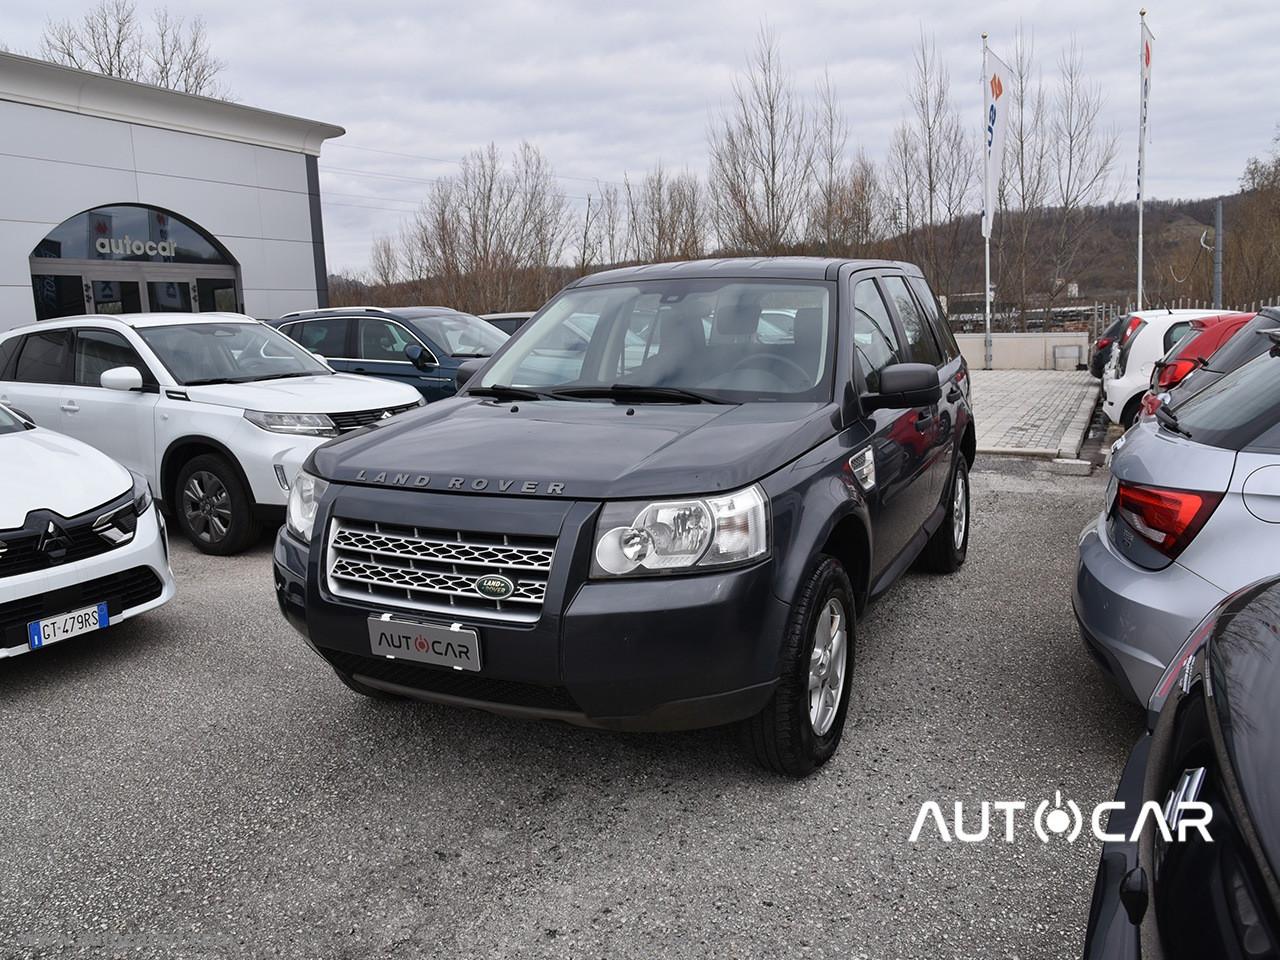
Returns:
point(197, 784)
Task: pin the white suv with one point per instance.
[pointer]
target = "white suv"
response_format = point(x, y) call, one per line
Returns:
point(217, 411)
point(1147, 337)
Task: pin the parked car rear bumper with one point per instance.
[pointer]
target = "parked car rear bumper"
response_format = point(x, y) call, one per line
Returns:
point(1134, 620)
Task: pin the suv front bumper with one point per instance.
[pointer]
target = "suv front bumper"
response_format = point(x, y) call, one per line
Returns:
point(630, 654)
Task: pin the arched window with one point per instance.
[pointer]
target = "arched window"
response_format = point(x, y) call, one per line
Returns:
point(127, 258)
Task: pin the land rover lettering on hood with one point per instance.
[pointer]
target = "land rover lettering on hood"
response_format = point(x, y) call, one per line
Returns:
point(662, 504)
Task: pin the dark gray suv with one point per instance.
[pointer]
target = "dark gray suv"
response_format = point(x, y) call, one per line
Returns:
point(662, 504)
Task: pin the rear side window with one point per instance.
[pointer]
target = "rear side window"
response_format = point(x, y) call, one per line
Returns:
point(1174, 334)
point(43, 357)
point(326, 337)
point(874, 339)
point(933, 310)
point(924, 348)
point(100, 350)
point(1239, 409)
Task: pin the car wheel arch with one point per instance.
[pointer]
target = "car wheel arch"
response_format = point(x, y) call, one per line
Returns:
point(849, 541)
point(969, 443)
point(184, 449)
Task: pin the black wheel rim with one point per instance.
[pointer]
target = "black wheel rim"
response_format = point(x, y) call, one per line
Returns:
point(206, 505)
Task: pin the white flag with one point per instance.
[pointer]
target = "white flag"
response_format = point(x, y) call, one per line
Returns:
point(997, 87)
point(1144, 66)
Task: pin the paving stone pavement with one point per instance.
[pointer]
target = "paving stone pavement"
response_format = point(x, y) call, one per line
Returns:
point(1040, 413)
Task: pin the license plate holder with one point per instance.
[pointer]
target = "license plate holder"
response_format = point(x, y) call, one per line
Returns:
point(437, 644)
point(41, 633)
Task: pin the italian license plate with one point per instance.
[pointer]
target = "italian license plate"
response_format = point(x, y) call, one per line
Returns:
point(453, 646)
point(53, 629)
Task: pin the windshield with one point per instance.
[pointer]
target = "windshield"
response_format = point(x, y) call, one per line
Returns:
point(735, 340)
point(461, 335)
point(9, 423)
point(197, 353)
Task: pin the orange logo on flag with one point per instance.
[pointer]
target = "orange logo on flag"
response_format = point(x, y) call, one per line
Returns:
point(997, 88)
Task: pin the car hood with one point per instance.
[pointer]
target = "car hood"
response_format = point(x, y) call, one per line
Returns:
point(325, 393)
point(48, 471)
point(583, 450)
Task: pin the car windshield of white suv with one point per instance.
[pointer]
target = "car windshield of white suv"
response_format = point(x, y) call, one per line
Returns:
point(716, 341)
point(205, 353)
point(461, 334)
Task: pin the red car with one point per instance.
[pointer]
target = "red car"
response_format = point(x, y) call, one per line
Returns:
point(1193, 350)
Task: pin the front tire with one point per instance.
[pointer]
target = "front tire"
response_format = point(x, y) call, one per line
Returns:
point(947, 548)
point(213, 508)
point(801, 726)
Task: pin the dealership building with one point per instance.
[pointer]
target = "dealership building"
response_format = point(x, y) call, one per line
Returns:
point(118, 197)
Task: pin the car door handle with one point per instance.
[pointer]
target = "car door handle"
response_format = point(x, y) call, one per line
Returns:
point(954, 394)
point(69, 407)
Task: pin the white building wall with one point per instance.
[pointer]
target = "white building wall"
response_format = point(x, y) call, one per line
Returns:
point(55, 164)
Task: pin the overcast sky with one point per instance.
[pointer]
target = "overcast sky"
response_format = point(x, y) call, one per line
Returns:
point(606, 89)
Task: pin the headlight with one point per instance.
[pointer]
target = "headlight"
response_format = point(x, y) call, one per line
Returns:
point(298, 424)
point(141, 494)
point(652, 538)
point(304, 500)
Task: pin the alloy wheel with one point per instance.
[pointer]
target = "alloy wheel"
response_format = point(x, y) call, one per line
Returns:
point(206, 505)
point(827, 666)
point(960, 509)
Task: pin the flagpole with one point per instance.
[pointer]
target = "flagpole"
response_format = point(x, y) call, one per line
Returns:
point(1142, 136)
point(986, 240)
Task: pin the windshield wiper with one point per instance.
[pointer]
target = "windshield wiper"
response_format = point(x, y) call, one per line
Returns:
point(1168, 419)
point(640, 393)
point(285, 376)
point(208, 381)
point(502, 391)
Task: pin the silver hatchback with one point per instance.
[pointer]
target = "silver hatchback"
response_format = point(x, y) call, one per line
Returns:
point(1192, 513)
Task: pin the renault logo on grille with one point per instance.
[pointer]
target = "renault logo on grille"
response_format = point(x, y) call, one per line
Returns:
point(495, 587)
point(54, 543)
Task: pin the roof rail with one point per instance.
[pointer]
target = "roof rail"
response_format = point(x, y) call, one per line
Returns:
point(298, 313)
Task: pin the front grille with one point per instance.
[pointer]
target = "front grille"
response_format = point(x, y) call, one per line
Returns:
point(120, 591)
point(455, 683)
point(347, 422)
point(21, 554)
point(437, 570)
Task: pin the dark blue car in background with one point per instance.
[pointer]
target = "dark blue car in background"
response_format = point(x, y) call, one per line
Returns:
point(420, 346)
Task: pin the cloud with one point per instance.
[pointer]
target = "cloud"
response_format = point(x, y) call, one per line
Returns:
point(607, 90)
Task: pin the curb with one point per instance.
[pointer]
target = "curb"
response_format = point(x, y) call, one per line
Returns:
point(1073, 438)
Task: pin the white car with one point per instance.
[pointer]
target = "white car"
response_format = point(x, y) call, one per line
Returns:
point(1147, 337)
point(81, 546)
point(217, 411)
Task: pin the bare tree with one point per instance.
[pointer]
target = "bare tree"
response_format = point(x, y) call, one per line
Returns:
point(844, 211)
point(111, 38)
point(384, 262)
point(931, 173)
point(1082, 155)
point(761, 158)
point(665, 217)
point(487, 238)
point(1026, 183)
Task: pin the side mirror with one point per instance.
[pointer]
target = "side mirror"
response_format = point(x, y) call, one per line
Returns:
point(905, 385)
point(468, 369)
point(122, 378)
point(418, 357)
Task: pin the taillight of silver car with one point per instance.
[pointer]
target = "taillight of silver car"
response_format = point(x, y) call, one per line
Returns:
point(1166, 519)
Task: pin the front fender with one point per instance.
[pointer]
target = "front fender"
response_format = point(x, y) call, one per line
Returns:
point(811, 498)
